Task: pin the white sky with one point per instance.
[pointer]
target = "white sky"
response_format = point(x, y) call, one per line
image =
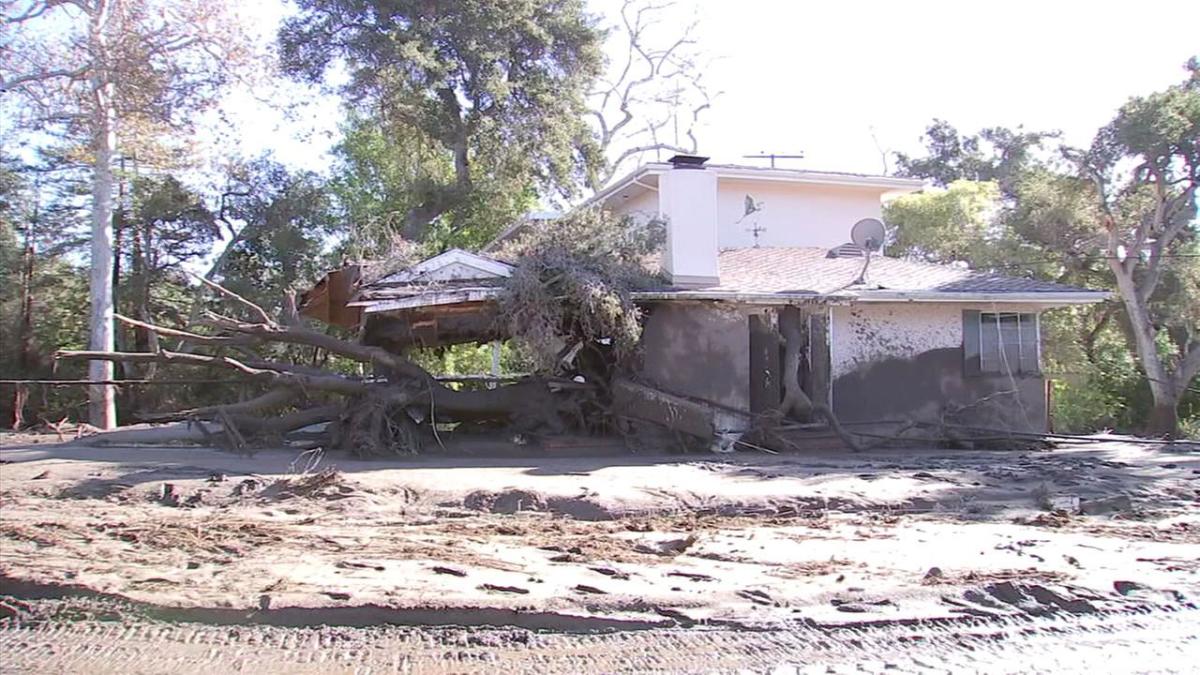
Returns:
point(818, 77)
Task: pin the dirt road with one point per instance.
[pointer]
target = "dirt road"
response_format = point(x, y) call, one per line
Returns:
point(1141, 642)
point(603, 563)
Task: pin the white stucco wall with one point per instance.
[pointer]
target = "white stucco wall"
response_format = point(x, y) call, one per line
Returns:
point(688, 200)
point(642, 206)
point(863, 334)
point(793, 214)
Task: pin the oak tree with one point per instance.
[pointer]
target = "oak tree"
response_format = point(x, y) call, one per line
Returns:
point(499, 86)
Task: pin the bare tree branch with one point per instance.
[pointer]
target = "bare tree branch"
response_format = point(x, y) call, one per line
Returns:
point(654, 86)
point(42, 76)
point(262, 313)
point(184, 335)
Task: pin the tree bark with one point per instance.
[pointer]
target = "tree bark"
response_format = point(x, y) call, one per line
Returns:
point(25, 335)
point(795, 402)
point(1164, 417)
point(1162, 388)
point(102, 398)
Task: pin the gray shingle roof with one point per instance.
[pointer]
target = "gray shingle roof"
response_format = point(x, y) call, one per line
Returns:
point(808, 270)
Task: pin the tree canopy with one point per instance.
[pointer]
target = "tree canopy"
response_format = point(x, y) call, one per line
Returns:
point(500, 88)
point(1120, 214)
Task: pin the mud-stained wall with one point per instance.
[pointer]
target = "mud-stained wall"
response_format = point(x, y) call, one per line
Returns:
point(699, 350)
point(864, 334)
point(892, 361)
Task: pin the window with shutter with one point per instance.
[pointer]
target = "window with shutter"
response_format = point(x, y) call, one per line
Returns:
point(1001, 343)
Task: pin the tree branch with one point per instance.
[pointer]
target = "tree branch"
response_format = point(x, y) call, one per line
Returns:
point(43, 76)
point(185, 335)
point(262, 313)
point(331, 383)
point(1189, 368)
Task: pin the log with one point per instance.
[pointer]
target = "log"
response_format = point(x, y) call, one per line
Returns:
point(164, 434)
point(275, 398)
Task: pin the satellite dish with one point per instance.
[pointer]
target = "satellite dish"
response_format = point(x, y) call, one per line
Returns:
point(869, 234)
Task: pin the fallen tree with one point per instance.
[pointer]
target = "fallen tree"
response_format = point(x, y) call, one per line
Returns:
point(378, 415)
point(569, 303)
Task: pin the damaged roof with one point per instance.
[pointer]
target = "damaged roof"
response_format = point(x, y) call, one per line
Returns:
point(453, 277)
point(809, 271)
point(756, 275)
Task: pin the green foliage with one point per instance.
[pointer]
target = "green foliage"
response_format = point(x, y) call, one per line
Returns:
point(1035, 218)
point(995, 154)
point(573, 281)
point(287, 219)
point(386, 171)
point(381, 175)
point(496, 88)
point(947, 224)
point(1163, 129)
point(1097, 385)
point(171, 223)
point(470, 359)
point(57, 293)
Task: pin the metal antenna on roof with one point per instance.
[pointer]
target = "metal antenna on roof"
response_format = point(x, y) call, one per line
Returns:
point(773, 156)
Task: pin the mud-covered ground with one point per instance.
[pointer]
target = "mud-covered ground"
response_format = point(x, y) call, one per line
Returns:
point(90, 636)
point(609, 545)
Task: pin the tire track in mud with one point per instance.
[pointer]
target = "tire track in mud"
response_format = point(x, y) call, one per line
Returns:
point(1153, 641)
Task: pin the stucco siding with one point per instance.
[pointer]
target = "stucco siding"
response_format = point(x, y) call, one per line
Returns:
point(892, 361)
point(699, 350)
point(793, 214)
point(864, 334)
point(642, 206)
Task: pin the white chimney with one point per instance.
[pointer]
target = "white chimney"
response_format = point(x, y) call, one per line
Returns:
point(687, 199)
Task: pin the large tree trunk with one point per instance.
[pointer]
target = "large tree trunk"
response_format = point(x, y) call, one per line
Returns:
point(25, 360)
point(1164, 418)
point(102, 397)
point(1161, 382)
point(796, 403)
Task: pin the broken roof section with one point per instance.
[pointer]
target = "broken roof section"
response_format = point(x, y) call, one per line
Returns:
point(449, 278)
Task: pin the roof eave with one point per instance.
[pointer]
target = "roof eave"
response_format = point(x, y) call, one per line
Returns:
point(1035, 297)
point(621, 183)
point(886, 183)
point(843, 297)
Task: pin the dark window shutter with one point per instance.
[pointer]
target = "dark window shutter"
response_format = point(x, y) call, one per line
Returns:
point(970, 331)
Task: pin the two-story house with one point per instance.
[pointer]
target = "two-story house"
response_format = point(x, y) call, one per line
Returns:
point(766, 292)
point(754, 254)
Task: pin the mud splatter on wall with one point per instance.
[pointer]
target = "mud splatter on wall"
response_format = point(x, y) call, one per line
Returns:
point(905, 360)
point(865, 334)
